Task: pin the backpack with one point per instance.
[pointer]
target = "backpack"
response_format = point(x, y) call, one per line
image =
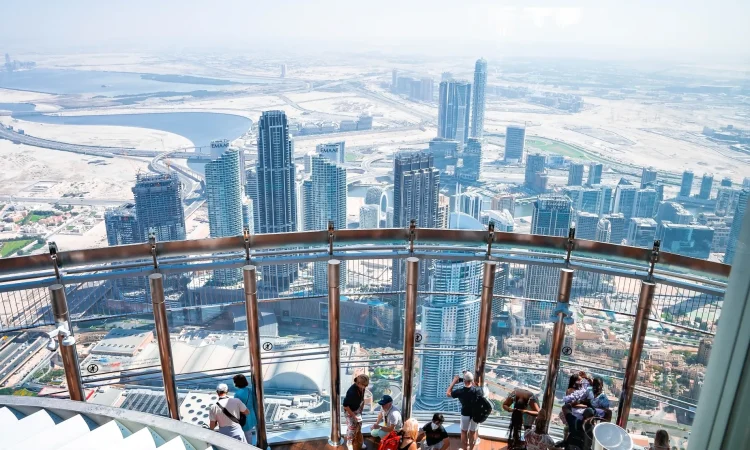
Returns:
point(481, 410)
point(390, 442)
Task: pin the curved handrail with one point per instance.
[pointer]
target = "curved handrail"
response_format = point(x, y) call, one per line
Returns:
point(131, 252)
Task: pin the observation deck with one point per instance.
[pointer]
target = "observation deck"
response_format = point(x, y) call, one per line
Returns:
point(305, 312)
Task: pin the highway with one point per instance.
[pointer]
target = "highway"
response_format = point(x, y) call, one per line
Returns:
point(74, 201)
point(15, 354)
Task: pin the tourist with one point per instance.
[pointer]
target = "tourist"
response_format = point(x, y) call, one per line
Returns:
point(434, 434)
point(526, 403)
point(389, 418)
point(579, 399)
point(225, 414)
point(354, 401)
point(467, 394)
point(409, 435)
point(600, 401)
point(537, 438)
point(661, 441)
point(246, 394)
point(576, 436)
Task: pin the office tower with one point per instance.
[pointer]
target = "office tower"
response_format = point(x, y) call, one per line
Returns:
point(444, 210)
point(686, 186)
point(575, 174)
point(589, 200)
point(333, 151)
point(641, 232)
point(448, 321)
point(673, 212)
point(283, 71)
point(308, 207)
point(480, 85)
point(586, 225)
point(121, 224)
point(469, 203)
point(158, 206)
point(224, 200)
point(446, 76)
point(502, 219)
point(648, 176)
point(504, 201)
point(689, 240)
point(618, 227)
point(551, 216)
point(515, 139)
point(746, 183)
point(389, 217)
point(573, 193)
point(251, 191)
point(377, 195)
point(428, 87)
point(453, 111)
point(734, 233)
point(707, 183)
point(645, 203)
point(444, 152)
point(472, 159)
point(726, 182)
point(369, 216)
point(625, 200)
point(606, 197)
point(726, 200)
point(277, 196)
point(603, 230)
point(534, 164)
point(595, 174)
point(721, 238)
point(394, 80)
point(328, 204)
point(248, 213)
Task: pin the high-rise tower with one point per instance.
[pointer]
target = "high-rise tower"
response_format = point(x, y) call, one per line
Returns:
point(687, 183)
point(515, 138)
point(575, 174)
point(454, 109)
point(277, 197)
point(595, 174)
point(480, 85)
point(158, 205)
point(734, 233)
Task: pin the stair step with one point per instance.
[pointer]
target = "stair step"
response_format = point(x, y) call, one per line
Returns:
point(38, 423)
point(177, 443)
point(60, 434)
point(143, 439)
point(109, 435)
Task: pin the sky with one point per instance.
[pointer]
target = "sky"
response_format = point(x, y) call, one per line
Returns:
point(689, 29)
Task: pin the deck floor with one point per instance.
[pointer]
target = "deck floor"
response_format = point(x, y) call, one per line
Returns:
point(318, 445)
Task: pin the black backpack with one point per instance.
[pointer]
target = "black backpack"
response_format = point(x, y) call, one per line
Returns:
point(481, 410)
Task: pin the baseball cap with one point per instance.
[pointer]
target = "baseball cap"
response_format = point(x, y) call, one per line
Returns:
point(385, 400)
point(222, 387)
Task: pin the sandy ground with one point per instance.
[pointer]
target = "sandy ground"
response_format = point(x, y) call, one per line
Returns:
point(24, 166)
point(12, 96)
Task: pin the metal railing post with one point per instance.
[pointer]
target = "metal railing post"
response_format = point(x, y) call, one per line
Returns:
point(253, 338)
point(640, 325)
point(156, 284)
point(558, 338)
point(67, 352)
point(410, 325)
point(334, 344)
point(485, 320)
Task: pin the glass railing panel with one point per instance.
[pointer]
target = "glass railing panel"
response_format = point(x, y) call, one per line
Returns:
point(22, 307)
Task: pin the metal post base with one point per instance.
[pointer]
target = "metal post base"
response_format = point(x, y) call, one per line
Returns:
point(332, 444)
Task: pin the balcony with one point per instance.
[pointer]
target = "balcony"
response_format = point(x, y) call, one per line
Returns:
point(409, 307)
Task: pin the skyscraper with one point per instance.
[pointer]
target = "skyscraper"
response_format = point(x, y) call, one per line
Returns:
point(444, 210)
point(449, 321)
point(641, 232)
point(607, 197)
point(416, 185)
point(625, 200)
point(158, 205)
point(369, 216)
point(726, 200)
point(454, 109)
point(707, 183)
point(586, 225)
point(534, 164)
point(618, 227)
point(648, 176)
point(603, 230)
point(575, 174)
point(224, 199)
point(472, 162)
point(726, 182)
point(394, 80)
point(469, 203)
point(689, 240)
point(480, 85)
point(686, 186)
point(333, 151)
point(673, 212)
point(645, 204)
point(328, 203)
point(428, 87)
point(595, 174)
point(551, 216)
point(734, 233)
point(251, 191)
point(515, 139)
point(122, 225)
point(308, 206)
point(504, 201)
point(277, 197)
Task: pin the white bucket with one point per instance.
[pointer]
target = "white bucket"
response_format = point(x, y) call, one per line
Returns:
point(608, 436)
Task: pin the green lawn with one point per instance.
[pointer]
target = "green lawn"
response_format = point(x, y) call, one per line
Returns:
point(349, 157)
point(10, 247)
point(561, 148)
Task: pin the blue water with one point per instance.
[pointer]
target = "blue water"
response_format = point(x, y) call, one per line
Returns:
point(17, 107)
point(108, 84)
point(200, 128)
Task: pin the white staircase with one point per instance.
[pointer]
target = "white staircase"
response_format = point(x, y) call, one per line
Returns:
point(28, 423)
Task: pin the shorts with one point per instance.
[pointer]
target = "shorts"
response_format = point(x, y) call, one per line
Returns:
point(467, 424)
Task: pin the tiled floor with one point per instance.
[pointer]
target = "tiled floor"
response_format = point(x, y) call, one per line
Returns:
point(319, 445)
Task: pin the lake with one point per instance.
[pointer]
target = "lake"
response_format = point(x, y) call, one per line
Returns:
point(112, 84)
